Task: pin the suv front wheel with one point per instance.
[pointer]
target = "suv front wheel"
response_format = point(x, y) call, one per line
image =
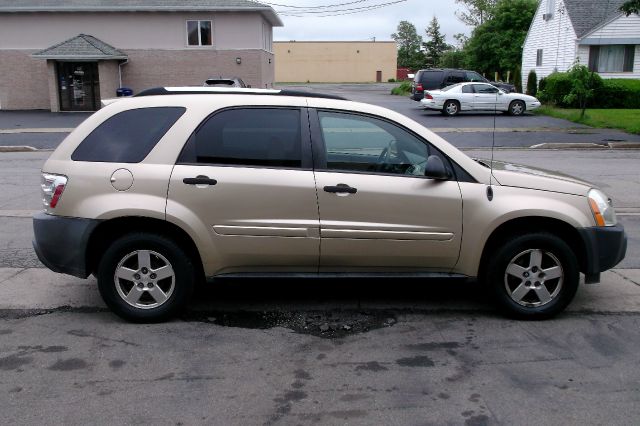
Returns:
point(145, 277)
point(533, 276)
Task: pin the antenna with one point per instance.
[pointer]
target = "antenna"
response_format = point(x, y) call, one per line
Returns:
point(493, 144)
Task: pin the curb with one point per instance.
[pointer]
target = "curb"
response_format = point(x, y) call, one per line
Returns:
point(20, 148)
point(579, 145)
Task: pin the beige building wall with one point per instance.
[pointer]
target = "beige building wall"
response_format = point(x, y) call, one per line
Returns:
point(124, 31)
point(154, 68)
point(334, 61)
point(156, 44)
point(23, 81)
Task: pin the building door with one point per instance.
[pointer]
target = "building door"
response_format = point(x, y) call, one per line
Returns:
point(78, 86)
point(378, 76)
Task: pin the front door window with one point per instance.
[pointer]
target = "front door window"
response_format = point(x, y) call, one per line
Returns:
point(78, 86)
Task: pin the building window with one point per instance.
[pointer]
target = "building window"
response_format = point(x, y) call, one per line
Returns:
point(551, 6)
point(539, 58)
point(612, 58)
point(199, 33)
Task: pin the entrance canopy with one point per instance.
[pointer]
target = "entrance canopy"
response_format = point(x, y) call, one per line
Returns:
point(82, 47)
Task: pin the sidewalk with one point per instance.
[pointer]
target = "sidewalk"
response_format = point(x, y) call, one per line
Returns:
point(41, 289)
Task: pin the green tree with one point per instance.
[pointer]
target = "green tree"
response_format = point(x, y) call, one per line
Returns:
point(436, 44)
point(409, 42)
point(583, 86)
point(631, 6)
point(496, 45)
point(476, 12)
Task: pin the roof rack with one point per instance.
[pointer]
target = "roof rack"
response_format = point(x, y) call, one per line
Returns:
point(159, 91)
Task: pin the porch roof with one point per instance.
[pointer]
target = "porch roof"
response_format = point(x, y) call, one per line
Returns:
point(81, 47)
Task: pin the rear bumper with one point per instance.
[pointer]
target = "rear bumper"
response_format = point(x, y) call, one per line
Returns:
point(417, 96)
point(605, 247)
point(61, 243)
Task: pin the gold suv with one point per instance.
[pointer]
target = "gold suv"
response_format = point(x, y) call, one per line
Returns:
point(155, 193)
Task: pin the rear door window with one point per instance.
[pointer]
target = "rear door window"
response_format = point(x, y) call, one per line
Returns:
point(128, 136)
point(455, 77)
point(263, 137)
point(431, 79)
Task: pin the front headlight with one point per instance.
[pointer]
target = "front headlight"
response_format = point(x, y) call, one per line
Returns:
point(602, 208)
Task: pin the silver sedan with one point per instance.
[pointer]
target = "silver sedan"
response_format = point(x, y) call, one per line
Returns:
point(477, 97)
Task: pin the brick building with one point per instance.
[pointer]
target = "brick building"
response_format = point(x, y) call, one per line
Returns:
point(68, 55)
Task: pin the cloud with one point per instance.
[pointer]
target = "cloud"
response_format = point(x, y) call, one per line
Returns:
point(379, 23)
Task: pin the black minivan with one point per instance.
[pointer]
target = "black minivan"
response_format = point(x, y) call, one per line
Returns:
point(437, 78)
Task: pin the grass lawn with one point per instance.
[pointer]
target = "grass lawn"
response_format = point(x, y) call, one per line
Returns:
point(623, 119)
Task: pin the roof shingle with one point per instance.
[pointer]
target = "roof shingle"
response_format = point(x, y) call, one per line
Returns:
point(82, 46)
point(586, 15)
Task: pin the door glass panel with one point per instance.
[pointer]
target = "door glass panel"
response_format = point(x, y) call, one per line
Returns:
point(366, 144)
point(249, 137)
point(78, 86)
point(485, 89)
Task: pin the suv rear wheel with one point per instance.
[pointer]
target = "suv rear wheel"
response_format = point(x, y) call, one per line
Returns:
point(533, 276)
point(145, 277)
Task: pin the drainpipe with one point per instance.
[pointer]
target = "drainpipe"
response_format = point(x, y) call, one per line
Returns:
point(120, 71)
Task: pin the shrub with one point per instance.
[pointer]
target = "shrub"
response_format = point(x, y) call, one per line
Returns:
point(542, 84)
point(532, 83)
point(618, 93)
point(557, 86)
point(403, 89)
point(391, 80)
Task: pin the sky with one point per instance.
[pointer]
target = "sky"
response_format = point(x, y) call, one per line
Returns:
point(379, 23)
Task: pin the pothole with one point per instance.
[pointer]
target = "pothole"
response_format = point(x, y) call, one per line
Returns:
point(326, 324)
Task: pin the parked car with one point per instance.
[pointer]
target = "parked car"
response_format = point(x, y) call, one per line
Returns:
point(436, 78)
point(155, 193)
point(224, 82)
point(477, 97)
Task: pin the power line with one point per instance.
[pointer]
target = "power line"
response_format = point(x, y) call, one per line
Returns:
point(315, 7)
point(337, 12)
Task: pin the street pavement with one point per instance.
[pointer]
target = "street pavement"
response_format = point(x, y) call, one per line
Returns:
point(355, 352)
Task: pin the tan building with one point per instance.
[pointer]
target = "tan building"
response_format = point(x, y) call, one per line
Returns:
point(335, 61)
point(63, 55)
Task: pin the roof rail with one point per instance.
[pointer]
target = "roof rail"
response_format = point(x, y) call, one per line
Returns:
point(159, 91)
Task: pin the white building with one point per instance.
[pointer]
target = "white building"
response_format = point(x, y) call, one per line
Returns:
point(594, 32)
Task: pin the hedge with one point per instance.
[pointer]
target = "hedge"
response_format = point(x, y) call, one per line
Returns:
point(613, 93)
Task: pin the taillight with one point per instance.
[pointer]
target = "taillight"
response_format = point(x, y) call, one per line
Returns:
point(52, 189)
point(427, 95)
point(419, 87)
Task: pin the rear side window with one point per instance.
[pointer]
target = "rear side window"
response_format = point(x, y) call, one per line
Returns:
point(268, 137)
point(455, 77)
point(431, 79)
point(128, 136)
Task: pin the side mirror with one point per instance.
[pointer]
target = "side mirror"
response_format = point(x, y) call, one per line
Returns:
point(435, 168)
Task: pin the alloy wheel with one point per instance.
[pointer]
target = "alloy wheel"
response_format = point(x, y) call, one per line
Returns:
point(144, 279)
point(533, 278)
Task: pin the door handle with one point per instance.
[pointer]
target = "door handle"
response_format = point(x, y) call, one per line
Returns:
point(199, 180)
point(340, 188)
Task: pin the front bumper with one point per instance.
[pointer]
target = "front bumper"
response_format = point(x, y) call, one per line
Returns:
point(605, 247)
point(533, 105)
point(61, 243)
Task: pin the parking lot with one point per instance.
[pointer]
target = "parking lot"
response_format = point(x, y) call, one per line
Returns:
point(322, 351)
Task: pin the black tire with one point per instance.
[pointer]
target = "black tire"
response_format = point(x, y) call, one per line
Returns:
point(553, 250)
point(451, 108)
point(517, 108)
point(163, 250)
